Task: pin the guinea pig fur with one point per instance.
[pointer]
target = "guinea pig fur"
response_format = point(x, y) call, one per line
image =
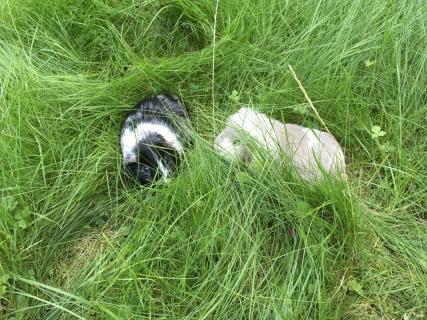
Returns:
point(153, 137)
point(310, 150)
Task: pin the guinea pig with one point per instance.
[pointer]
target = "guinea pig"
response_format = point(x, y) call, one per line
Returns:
point(153, 138)
point(311, 151)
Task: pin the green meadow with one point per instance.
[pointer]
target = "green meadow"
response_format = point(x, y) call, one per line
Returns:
point(221, 240)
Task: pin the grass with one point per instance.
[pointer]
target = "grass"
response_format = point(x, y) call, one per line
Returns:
point(220, 241)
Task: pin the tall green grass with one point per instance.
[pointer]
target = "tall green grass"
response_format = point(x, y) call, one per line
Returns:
point(220, 241)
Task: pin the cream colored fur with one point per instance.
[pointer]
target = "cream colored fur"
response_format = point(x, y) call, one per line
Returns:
point(308, 149)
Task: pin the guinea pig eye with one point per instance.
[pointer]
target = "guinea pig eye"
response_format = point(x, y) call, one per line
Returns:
point(145, 170)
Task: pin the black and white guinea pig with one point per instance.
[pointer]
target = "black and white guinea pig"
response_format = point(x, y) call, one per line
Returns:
point(153, 138)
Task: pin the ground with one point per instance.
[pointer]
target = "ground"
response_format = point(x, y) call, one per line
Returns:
point(220, 241)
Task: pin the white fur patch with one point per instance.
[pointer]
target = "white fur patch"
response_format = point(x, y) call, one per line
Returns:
point(131, 136)
point(258, 125)
point(128, 142)
point(310, 138)
point(163, 168)
point(224, 144)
